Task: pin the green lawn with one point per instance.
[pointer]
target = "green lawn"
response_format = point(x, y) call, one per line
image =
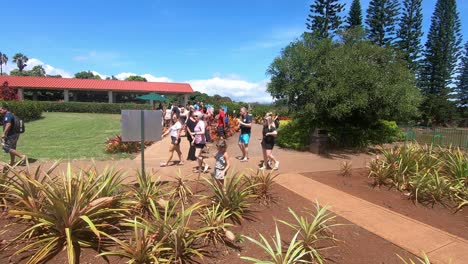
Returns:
point(69, 136)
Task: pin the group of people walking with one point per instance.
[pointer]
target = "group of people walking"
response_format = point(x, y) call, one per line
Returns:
point(194, 125)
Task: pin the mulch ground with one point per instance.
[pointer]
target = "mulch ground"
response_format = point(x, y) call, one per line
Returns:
point(355, 246)
point(359, 185)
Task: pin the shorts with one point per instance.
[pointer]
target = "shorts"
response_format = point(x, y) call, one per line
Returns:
point(218, 174)
point(268, 145)
point(244, 138)
point(199, 146)
point(220, 131)
point(175, 141)
point(10, 143)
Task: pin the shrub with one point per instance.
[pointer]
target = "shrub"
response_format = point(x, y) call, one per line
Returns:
point(313, 232)
point(26, 110)
point(75, 212)
point(346, 169)
point(262, 185)
point(426, 174)
point(145, 194)
point(349, 136)
point(181, 190)
point(293, 135)
point(141, 247)
point(276, 253)
point(82, 107)
point(214, 220)
point(116, 145)
point(233, 196)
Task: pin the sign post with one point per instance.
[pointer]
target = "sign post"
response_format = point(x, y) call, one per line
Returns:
point(141, 126)
point(142, 118)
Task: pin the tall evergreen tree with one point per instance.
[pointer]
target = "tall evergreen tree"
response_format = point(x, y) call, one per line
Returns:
point(381, 20)
point(324, 19)
point(462, 84)
point(442, 51)
point(410, 32)
point(354, 18)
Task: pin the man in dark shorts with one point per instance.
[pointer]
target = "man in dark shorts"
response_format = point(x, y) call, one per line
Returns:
point(221, 123)
point(245, 127)
point(9, 136)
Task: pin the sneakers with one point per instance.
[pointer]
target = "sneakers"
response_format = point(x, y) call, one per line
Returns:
point(206, 168)
point(276, 165)
point(23, 160)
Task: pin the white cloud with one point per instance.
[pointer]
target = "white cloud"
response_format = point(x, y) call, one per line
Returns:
point(149, 77)
point(103, 76)
point(51, 70)
point(233, 87)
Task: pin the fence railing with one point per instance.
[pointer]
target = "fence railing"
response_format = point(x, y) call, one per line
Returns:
point(455, 137)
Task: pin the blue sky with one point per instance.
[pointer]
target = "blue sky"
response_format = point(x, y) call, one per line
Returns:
point(222, 47)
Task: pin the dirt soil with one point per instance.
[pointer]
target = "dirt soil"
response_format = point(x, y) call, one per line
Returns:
point(356, 245)
point(360, 186)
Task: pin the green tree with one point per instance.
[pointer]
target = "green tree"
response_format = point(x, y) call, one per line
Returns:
point(37, 70)
point(17, 72)
point(112, 78)
point(87, 75)
point(343, 87)
point(442, 51)
point(54, 76)
point(324, 19)
point(410, 32)
point(136, 78)
point(20, 61)
point(462, 82)
point(381, 21)
point(3, 60)
point(355, 15)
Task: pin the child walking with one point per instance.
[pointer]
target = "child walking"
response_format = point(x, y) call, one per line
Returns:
point(222, 161)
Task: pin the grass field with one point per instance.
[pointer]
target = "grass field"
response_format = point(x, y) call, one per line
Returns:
point(69, 136)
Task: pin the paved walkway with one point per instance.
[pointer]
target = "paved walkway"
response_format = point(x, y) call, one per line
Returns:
point(412, 235)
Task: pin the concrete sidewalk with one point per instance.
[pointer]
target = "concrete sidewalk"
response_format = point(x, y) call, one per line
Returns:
point(407, 233)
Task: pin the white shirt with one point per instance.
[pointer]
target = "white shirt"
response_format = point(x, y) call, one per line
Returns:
point(175, 128)
point(168, 113)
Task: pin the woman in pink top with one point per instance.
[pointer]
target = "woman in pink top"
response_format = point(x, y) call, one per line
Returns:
point(199, 141)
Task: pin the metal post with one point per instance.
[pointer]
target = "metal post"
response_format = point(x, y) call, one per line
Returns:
point(142, 143)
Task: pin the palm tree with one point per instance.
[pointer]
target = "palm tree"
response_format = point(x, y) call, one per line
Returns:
point(20, 61)
point(3, 60)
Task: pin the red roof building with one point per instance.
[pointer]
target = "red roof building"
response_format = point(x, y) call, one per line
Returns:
point(72, 88)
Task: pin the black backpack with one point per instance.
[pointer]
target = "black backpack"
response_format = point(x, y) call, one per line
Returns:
point(277, 123)
point(18, 125)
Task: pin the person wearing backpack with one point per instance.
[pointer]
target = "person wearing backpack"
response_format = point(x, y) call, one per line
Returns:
point(11, 135)
point(276, 120)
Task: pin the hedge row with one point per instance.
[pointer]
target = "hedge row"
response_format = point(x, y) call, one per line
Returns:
point(26, 110)
point(81, 107)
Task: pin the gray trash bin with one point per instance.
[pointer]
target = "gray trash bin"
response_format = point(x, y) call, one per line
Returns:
point(319, 141)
